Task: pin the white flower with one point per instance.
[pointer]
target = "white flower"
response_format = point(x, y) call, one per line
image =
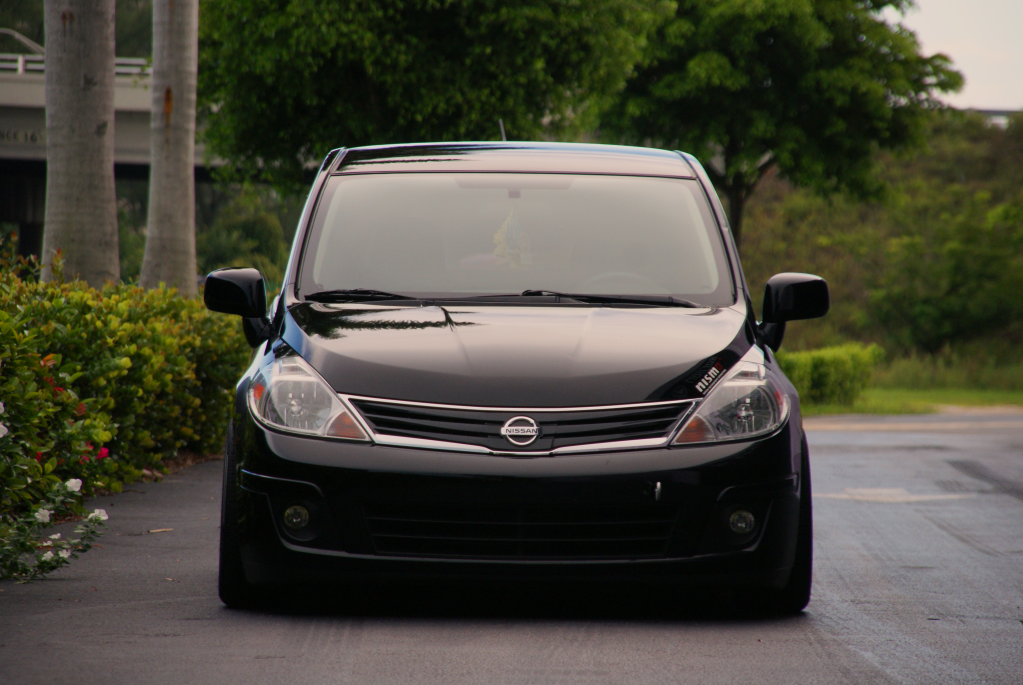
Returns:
point(74, 485)
point(43, 516)
point(64, 553)
point(46, 543)
point(98, 515)
point(47, 556)
point(3, 430)
point(55, 536)
point(1, 407)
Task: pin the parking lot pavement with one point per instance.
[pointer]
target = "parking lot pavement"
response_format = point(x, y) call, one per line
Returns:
point(918, 579)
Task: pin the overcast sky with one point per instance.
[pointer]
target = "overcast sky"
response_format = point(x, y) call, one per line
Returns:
point(984, 38)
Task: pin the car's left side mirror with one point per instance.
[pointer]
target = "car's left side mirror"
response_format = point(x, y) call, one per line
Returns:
point(791, 297)
point(240, 292)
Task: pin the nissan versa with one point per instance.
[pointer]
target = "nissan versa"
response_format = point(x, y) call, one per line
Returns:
point(502, 361)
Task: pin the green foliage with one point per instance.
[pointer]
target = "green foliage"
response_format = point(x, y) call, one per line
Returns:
point(98, 385)
point(25, 17)
point(236, 225)
point(284, 81)
point(247, 231)
point(132, 211)
point(133, 24)
point(812, 87)
point(955, 271)
point(968, 366)
point(46, 423)
point(26, 553)
point(935, 263)
point(831, 375)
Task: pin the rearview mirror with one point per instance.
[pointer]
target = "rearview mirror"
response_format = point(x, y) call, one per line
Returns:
point(790, 297)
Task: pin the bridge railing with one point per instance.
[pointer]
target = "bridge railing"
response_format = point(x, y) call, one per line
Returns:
point(36, 64)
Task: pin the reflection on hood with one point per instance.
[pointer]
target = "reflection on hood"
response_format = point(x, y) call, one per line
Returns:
point(331, 321)
point(515, 356)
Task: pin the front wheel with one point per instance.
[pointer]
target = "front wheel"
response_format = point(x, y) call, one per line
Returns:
point(235, 590)
point(794, 597)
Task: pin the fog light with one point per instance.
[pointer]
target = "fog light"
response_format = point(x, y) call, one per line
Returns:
point(296, 517)
point(741, 522)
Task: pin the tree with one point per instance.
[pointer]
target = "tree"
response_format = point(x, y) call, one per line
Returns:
point(25, 17)
point(284, 81)
point(133, 26)
point(955, 271)
point(812, 87)
point(81, 205)
point(170, 234)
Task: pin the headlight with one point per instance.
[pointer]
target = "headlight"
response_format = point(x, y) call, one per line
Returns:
point(290, 396)
point(746, 404)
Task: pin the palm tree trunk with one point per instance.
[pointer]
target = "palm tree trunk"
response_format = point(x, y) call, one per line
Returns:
point(170, 235)
point(81, 201)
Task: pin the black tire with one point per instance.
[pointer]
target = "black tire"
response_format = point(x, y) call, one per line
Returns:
point(793, 598)
point(235, 590)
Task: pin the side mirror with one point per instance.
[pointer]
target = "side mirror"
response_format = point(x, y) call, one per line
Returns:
point(790, 297)
point(236, 291)
point(241, 292)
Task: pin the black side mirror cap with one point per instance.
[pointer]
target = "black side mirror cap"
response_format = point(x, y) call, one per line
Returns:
point(792, 296)
point(236, 291)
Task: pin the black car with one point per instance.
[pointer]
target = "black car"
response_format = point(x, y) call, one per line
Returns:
point(515, 361)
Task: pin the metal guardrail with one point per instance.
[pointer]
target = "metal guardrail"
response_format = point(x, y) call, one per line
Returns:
point(36, 64)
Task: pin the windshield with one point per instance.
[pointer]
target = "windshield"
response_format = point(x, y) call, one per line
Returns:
point(451, 235)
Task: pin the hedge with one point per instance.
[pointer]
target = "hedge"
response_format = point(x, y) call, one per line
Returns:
point(831, 375)
point(97, 385)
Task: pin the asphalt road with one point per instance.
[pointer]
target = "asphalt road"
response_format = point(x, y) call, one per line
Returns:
point(918, 579)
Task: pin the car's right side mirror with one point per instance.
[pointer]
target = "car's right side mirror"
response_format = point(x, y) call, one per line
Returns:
point(790, 297)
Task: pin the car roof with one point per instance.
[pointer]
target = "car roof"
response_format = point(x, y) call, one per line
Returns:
point(515, 157)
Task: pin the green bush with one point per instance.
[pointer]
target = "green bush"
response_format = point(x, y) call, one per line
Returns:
point(831, 375)
point(96, 385)
point(159, 366)
point(44, 423)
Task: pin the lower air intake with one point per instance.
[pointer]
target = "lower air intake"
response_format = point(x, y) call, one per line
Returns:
point(520, 533)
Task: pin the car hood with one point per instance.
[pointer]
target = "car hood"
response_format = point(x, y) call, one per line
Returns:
point(516, 356)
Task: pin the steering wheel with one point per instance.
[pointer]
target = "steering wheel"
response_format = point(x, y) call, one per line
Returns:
point(621, 278)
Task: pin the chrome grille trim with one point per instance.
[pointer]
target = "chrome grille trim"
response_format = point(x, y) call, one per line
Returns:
point(451, 446)
point(465, 407)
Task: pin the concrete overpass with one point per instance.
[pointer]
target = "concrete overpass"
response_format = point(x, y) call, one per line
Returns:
point(23, 138)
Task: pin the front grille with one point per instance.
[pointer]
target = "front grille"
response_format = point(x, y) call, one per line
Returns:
point(605, 532)
point(557, 428)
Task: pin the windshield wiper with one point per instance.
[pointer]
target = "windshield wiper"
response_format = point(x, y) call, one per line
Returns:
point(661, 300)
point(349, 294)
point(367, 294)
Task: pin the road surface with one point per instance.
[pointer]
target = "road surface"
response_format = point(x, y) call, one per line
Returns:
point(918, 579)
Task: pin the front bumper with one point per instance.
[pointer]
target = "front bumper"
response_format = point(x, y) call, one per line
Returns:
point(384, 513)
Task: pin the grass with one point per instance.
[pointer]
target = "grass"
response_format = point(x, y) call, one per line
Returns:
point(950, 371)
point(917, 401)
